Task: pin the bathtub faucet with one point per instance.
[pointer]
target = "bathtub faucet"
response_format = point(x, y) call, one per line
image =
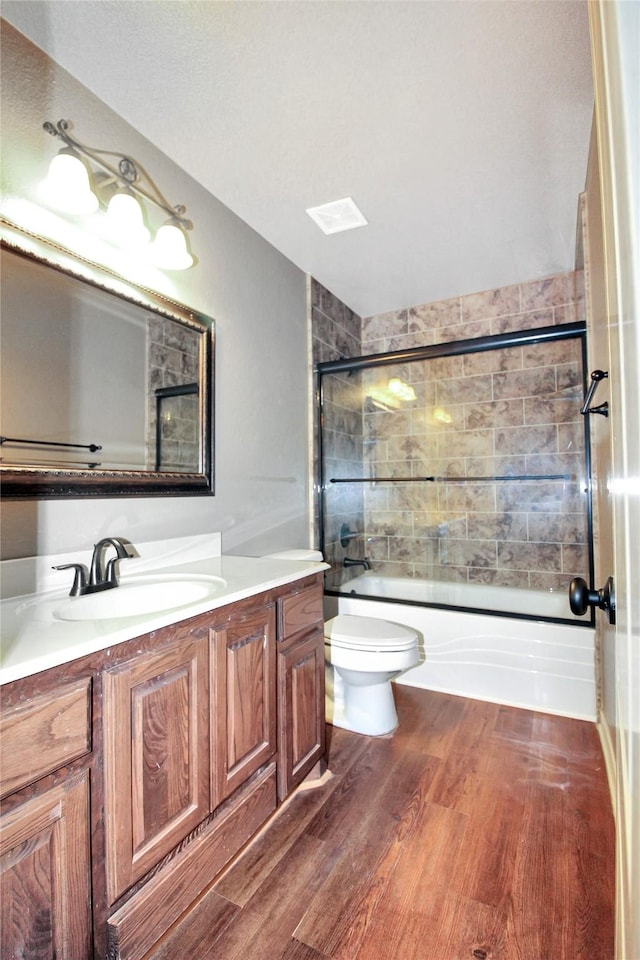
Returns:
point(348, 562)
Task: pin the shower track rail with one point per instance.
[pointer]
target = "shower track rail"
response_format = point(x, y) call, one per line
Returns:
point(567, 477)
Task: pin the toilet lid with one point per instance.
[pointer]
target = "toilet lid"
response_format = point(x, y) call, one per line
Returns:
point(368, 633)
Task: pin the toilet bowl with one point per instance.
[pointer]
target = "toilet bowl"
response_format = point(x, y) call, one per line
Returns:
point(363, 655)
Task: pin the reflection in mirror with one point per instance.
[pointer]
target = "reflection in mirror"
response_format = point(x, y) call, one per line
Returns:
point(103, 392)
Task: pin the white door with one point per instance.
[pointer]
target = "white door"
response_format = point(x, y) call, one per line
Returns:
point(615, 28)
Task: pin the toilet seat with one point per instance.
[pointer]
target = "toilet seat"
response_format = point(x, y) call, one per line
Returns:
point(368, 633)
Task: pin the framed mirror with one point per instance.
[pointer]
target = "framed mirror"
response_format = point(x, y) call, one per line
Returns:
point(106, 387)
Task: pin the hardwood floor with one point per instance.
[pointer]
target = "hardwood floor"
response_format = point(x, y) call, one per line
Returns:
point(476, 831)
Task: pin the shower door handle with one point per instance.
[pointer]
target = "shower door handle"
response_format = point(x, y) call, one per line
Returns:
point(580, 598)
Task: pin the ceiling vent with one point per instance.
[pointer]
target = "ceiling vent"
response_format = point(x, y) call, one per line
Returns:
point(337, 216)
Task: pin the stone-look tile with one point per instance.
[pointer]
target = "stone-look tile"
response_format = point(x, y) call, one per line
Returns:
point(575, 559)
point(181, 338)
point(413, 550)
point(556, 410)
point(341, 446)
point(441, 467)
point(549, 292)
point(570, 437)
point(165, 357)
point(495, 466)
point(499, 578)
point(383, 424)
point(524, 383)
point(467, 497)
point(492, 361)
point(407, 341)
point(327, 332)
point(468, 553)
point(568, 528)
point(392, 324)
point(484, 438)
point(377, 549)
point(392, 523)
point(428, 316)
point(568, 313)
point(538, 496)
point(391, 569)
point(466, 443)
point(444, 368)
point(530, 556)
point(342, 420)
point(465, 390)
point(550, 354)
point(490, 303)
point(325, 302)
point(464, 331)
point(523, 321)
point(412, 496)
point(497, 526)
point(553, 582)
point(343, 391)
point(567, 464)
point(509, 440)
point(376, 496)
point(447, 574)
point(569, 378)
point(155, 329)
point(436, 525)
point(494, 413)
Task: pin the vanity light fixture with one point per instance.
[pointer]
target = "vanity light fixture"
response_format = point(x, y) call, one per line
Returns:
point(121, 187)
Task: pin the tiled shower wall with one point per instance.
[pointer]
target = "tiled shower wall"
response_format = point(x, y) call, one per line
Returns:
point(173, 360)
point(505, 412)
point(335, 334)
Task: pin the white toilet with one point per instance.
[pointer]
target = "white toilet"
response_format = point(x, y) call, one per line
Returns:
point(362, 656)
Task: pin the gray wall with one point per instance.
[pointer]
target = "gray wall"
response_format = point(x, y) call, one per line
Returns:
point(258, 300)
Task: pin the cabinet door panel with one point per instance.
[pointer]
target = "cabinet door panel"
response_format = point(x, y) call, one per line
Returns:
point(301, 723)
point(243, 721)
point(156, 757)
point(45, 870)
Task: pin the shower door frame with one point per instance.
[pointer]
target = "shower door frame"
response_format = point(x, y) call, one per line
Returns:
point(569, 331)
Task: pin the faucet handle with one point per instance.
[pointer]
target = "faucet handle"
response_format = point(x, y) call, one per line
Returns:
point(79, 579)
point(112, 568)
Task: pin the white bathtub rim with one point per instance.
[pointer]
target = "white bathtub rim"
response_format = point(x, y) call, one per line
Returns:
point(501, 701)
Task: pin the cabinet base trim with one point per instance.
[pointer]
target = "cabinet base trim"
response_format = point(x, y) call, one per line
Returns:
point(136, 926)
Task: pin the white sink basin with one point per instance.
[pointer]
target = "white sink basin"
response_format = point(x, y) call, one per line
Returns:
point(144, 595)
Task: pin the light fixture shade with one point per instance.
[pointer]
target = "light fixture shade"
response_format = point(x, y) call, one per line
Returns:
point(169, 249)
point(124, 216)
point(67, 187)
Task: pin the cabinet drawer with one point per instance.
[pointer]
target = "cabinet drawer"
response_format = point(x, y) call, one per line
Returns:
point(43, 734)
point(300, 611)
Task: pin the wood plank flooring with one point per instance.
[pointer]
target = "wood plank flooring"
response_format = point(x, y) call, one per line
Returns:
point(476, 832)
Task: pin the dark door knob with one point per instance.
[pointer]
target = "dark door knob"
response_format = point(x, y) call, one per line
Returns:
point(580, 598)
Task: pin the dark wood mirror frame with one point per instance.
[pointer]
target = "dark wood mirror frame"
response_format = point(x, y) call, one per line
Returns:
point(34, 481)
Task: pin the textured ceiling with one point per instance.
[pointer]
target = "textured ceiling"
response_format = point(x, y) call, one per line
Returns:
point(460, 127)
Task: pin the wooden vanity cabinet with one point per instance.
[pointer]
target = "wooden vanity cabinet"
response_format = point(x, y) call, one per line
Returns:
point(156, 760)
point(301, 672)
point(44, 828)
point(243, 715)
point(131, 777)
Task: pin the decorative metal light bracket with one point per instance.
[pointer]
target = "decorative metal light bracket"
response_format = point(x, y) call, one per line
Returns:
point(127, 170)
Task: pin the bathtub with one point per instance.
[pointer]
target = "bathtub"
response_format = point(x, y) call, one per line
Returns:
point(533, 664)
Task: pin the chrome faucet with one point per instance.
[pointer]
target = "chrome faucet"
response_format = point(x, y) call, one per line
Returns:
point(97, 578)
point(348, 562)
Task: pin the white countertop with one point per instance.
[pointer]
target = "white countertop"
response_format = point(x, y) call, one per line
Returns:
point(33, 638)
